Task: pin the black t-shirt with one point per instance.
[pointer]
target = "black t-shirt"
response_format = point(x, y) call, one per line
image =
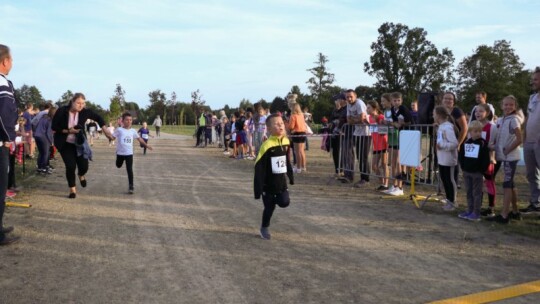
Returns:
point(403, 112)
point(456, 114)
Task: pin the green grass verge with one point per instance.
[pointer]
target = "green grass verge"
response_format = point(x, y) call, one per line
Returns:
point(178, 130)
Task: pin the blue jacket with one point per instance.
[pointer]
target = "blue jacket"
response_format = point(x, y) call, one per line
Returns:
point(83, 148)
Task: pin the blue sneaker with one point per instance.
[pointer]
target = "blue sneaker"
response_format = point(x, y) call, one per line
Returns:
point(473, 217)
point(265, 233)
point(464, 215)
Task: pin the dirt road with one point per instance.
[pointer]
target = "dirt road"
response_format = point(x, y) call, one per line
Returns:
point(189, 234)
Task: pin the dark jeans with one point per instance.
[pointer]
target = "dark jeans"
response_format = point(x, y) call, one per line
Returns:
point(200, 132)
point(11, 174)
point(447, 178)
point(43, 148)
point(157, 131)
point(270, 201)
point(363, 146)
point(129, 166)
point(4, 164)
point(72, 162)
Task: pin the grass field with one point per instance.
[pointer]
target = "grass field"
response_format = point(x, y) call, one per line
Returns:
point(178, 130)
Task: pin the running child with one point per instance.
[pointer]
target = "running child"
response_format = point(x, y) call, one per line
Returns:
point(380, 144)
point(124, 148)
point(507, 154)
point(271, 166)
point(144, 133)
point(474, 161)
point(447, 154)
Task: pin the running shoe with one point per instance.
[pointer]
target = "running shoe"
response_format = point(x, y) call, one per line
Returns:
point(499, 219)
point(487, 212)
point(473, 217)
point(464, 215)
point(265, 233)
point(515, 216)
point(382, 188)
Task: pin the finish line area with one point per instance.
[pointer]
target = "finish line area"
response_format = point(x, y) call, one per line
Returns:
point(495, 295)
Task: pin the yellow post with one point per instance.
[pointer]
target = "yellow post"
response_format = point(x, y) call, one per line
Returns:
point(21, 205)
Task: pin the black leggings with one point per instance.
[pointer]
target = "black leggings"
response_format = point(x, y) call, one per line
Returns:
point(129, 166)
point(270, 201)
point(447, 178)
point(335, 143)
point(72, 162)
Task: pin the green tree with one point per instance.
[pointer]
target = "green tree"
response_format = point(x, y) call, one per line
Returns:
point(115, 109)
point(279, 104)
point(197, 102)
point(29, 94)
point(64, 99)
point(404, 60)
point(367, 93)
point(120, 95)
point(157, 104)
point(245, 103)
point(496, 70)
point(321, 79)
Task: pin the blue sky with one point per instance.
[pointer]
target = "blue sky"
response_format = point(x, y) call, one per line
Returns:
point(231, 50)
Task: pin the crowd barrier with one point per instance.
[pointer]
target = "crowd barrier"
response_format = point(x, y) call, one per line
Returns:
point(374, 154)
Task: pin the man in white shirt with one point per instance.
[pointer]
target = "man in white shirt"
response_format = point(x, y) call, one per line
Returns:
point(357, 116)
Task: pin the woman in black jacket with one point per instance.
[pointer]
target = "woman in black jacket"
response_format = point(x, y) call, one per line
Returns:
point(67, 122)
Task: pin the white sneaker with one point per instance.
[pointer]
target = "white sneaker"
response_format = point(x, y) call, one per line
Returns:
point(396, 192)
point(296, 170)
point(391, 189)
point(226, 152)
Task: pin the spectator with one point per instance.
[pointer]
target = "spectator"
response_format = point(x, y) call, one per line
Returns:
point(531, 146)
point(380, 144)
point(474, 160)
point(447, 154)
point(357, 116)
point(508, 140)
point(338, 119)
point(481, 98)
point(8, 118)
point(157, 123)
point(297, 126)
point(460, 120)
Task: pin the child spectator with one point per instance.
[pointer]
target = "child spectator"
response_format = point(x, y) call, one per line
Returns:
point(400, 117)
point(271, 166)
point(111, 131)
point(414, 112)
point(447, 153)
point(144, 133)
point(379, 161)
point(226, 135)
point(507, 154)
point(124, 148)
point(474, 160)
point(260, 133)
point(489, 131)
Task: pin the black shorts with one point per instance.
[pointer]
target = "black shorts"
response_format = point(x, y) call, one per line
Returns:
point(299, 137)
point(379, 152)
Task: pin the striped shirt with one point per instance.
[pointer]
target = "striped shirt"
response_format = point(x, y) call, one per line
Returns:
point(8, 110)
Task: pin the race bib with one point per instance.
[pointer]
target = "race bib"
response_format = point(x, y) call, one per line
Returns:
point(279, 164)
point(145, 136)
point(472, 150)
point(373, 128)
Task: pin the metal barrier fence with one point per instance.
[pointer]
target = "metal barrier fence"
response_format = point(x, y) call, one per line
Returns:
point(372, 151)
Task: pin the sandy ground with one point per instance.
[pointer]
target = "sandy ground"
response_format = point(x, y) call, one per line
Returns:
point(189, 234)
